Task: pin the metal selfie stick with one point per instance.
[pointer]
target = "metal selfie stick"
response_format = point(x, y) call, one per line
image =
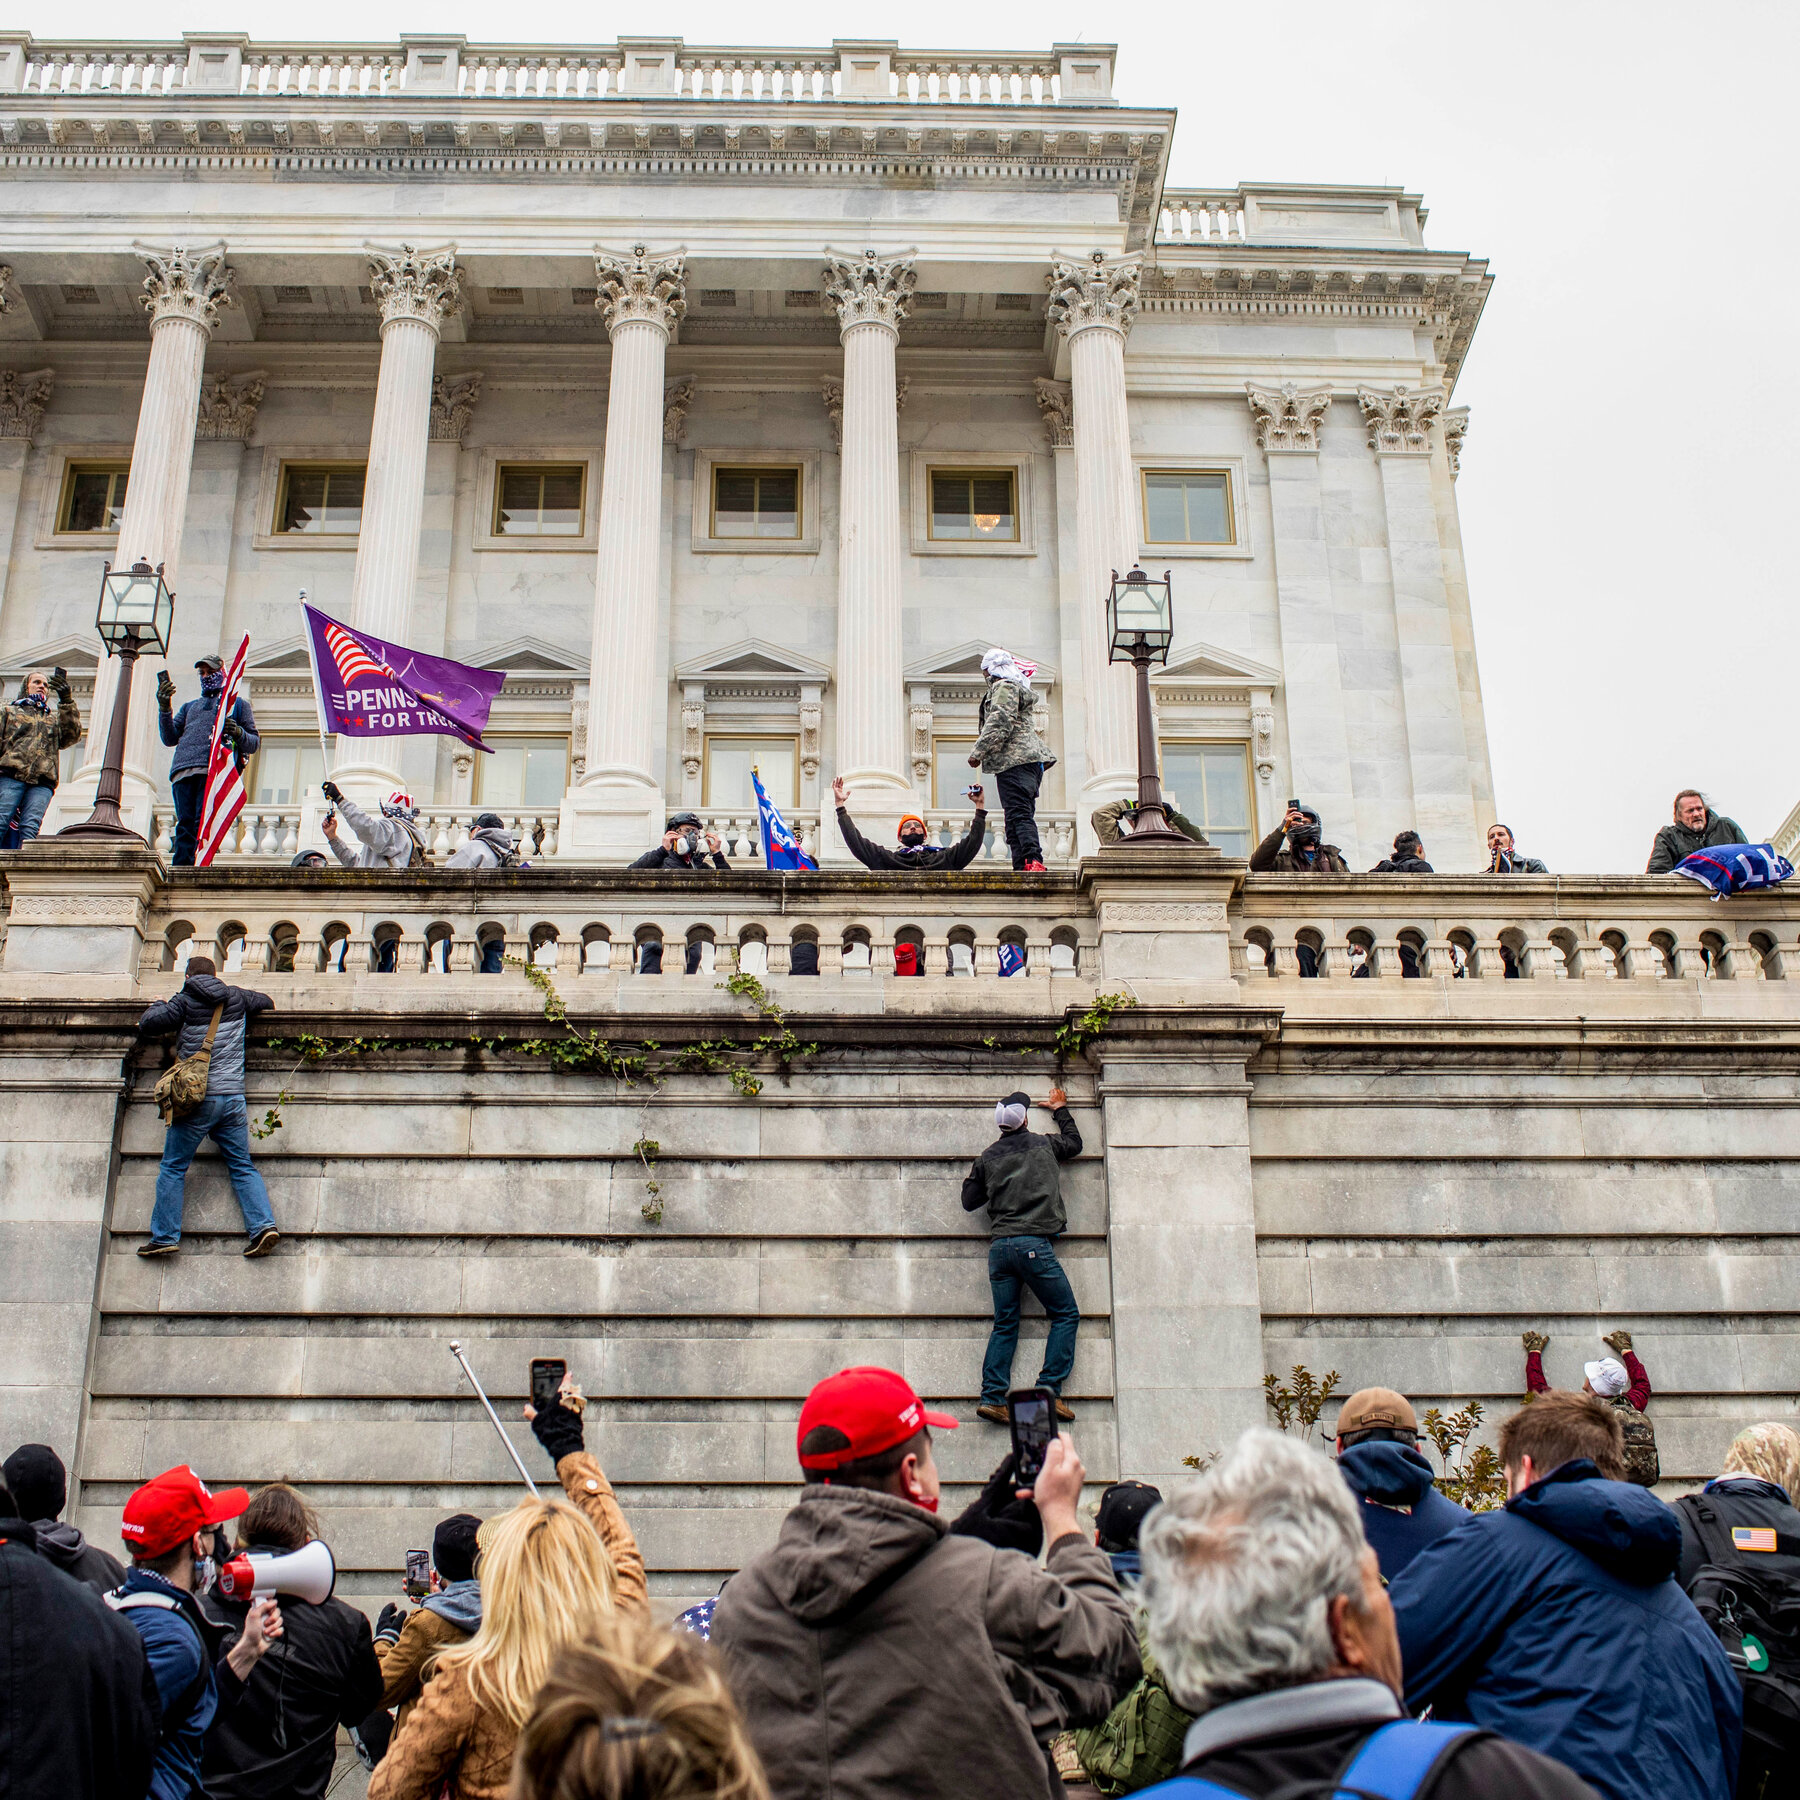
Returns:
point(457, 1352)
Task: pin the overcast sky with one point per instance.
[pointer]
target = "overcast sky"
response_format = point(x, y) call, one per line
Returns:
point(1628, 170)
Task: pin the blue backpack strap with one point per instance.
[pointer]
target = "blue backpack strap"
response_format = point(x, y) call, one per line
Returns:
point(1191, 1787)
point(1396, 1760)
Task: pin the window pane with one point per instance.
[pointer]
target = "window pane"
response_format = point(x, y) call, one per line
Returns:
point(778, 504)
point(96, 499)
point(734, 504)
point(315, 500)
point(1210, 783)
point(284, 769)
point(728, 765)
point(950, 506)
point(950, 773)
point(978, 505)
point(546, 769)
point(303, 503)
point(763, 503)
point(539, 502)
point(524, 772)
point(1187, 508)
point(343, 500)
point(992, 506)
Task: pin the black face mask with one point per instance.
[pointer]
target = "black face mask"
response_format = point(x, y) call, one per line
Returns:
point(912, 840)
point(1305, 837)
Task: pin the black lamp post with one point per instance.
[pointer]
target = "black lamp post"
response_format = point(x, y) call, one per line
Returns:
point(1140, 622)
point(137, 611)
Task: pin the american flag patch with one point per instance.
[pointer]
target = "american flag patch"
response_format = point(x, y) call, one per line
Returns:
point(1753, 1537)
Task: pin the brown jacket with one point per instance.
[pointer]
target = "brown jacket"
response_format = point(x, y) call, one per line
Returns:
point(406, 1664)
point(446, 1736)
point(30, 740)
point(877, 1658)
point(1272, 856)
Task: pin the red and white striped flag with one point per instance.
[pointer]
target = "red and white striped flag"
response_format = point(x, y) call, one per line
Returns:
point(224, 798)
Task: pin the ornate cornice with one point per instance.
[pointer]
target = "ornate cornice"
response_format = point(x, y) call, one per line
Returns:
point(641, 287)
point(1100, 291)
point(228, 406)
point(870, 289)
point(22, 402)
point(1287, 417)
point(421, 285)
point(1400, 421)
point(1056, 401)
point(183, 284)
point(1456, 430)
point(678, 396)
point(453, 400)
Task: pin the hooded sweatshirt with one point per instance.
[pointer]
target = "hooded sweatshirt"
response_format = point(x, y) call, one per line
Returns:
point(877, 1657)
point(64, 1546)
point(1557, 1623)
point(1402, 1511)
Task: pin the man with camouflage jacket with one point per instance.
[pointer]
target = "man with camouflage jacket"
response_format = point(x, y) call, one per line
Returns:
point(1621, 1382)
point(1009, 748)
point(32, 738)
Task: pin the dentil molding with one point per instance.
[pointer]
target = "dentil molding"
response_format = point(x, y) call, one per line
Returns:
point(640, 286)
point(870, 289)
point(421, 285)
point(1287, 418)
point(184, 284)
point(1100, 291)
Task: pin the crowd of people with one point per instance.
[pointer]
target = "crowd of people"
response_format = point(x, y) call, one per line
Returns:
point(1276, 1626)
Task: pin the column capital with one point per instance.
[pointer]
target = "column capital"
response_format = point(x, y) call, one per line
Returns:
point(453, 400)
point(1101, 290)
point(228, 406)
point(1287, 417)
point(1400, 420)
point(186, 284)
point(1056, 401)
point(9, 288)
point(678, 396)
point(22, 402)
point(1456, 430)
point(422, 285)
point(870, 289)
point(641, 286)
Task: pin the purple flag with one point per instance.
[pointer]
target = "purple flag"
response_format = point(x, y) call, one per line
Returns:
point(367, 687)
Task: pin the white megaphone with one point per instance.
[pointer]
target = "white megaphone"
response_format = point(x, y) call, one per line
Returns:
point(305, 1574)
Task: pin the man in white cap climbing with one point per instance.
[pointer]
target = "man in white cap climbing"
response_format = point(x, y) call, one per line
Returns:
point(1619, 1380)
point(1009, 748)
point(1019, 1181)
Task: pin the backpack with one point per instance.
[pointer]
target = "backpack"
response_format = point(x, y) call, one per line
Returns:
point(1392, 1764)
point(183, 1087)
point(1755, 1614)
point(1642, 1464)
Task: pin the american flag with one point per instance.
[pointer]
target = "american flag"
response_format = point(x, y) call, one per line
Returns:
point(224, 798)
point(352, 659)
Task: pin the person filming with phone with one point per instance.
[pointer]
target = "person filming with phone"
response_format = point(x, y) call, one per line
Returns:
point(916, 849)
point(1018, 1178)
point(879, 1650)
point(446, 1598)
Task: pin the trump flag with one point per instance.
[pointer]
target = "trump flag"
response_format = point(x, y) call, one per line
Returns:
point(367, 687)
point(781, 849)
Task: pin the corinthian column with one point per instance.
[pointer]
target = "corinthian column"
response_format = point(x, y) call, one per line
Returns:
point(1093, 305)
point(183, 293)
point(618, 805)
point(414, 290)
point(872, 295)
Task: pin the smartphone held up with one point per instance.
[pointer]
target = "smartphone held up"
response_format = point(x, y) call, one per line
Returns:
point(1031, 1414)
point(547, 1374)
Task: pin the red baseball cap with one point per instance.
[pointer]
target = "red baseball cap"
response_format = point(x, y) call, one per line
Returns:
point(874, 1408)
point(172, 1506)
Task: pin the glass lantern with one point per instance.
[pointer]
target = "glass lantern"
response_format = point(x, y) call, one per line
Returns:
point(1140, 617)
point(136, 606)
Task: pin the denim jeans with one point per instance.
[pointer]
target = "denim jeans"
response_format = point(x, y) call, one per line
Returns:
point(30, 803)
point(227, 1119)
point(1027, 1262)
point(1018, 801)
point(188, 795)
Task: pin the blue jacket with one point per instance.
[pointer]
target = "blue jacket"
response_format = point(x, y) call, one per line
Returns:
point(1402, 1511)
point(181, 1663)
point(1557, 1624)
point(189, 733)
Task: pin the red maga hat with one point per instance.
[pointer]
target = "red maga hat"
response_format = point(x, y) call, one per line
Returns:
point(172, 1506)
point(874, 1408)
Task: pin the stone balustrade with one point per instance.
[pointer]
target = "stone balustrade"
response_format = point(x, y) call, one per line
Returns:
point(1202, 215)
point(277, 834)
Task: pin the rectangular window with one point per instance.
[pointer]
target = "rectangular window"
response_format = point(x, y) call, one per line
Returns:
point(1210, 784)
point(524, 772)
point(974, 505)
point(756, 503)
point(950, 774)
point(93, 497)
point(320, 497)
point(729, 761)
point(1187, 506)
point(284, 769)
point(539, 499)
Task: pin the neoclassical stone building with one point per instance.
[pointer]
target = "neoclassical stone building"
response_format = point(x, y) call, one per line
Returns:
point(732, 402)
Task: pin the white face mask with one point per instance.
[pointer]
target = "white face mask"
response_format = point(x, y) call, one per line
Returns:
point(685, 846)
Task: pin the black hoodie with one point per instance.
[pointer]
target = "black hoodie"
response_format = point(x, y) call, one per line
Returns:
point(64, 1546)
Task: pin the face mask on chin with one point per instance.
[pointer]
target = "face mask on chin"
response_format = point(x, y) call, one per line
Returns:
point(912, 840)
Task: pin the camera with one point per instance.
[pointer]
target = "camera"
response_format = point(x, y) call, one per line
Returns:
point(416, 1583)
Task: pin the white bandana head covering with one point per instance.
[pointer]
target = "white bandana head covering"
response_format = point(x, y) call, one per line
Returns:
point(1009, 1115)
point(1607, 1377)
point(1003, 666)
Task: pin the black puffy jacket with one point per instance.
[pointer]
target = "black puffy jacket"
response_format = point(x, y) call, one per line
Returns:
point(1018, 1180)
point(190, 1011)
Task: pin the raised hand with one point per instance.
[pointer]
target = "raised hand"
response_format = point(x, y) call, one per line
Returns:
point(1618, 1342)
point(1535, 1340)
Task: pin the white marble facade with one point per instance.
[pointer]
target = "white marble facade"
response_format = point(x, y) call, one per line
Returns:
point(637, 261)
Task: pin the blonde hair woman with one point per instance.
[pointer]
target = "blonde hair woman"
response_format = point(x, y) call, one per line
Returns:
point(551, 1572)
point(635, 1712)
point(1758, 1488)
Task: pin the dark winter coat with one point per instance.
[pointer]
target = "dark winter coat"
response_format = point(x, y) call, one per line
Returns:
point(1675, 843)
point(65, 1547)
point(932, 856)
point(877, 1657)
point(189, 734)
point(77, 1705)
point(659, 858)
point(1518, 865)
point(1018, 1180)
point(1557, 1622)
point(1007, 735)
point(30, 741)
point(189, 1013)
point(1403, 865)
point(1273, 856)
point(1310, 1733)
point(1739, 1500)
point(1402, 1511)
point(320, 1673)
